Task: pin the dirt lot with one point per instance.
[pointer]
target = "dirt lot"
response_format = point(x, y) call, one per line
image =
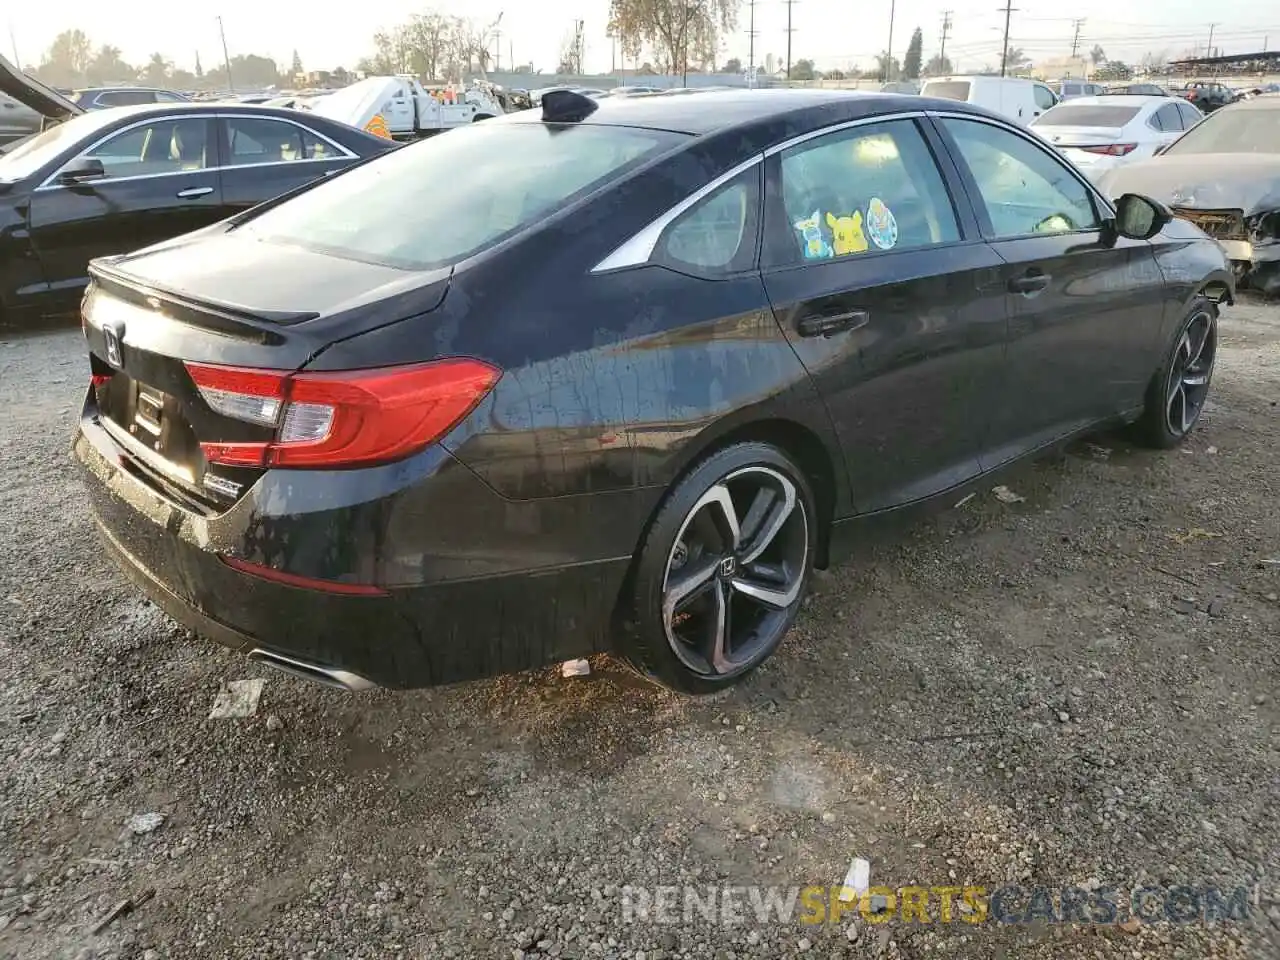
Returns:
point(1075, 689)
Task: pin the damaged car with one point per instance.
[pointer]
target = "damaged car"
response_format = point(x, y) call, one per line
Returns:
point(1223, 175)
point(115, 180)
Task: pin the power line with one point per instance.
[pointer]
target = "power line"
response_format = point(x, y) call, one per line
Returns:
point(790, 31)
point(1008, 9)
point(1075, 40)
point(888, 54)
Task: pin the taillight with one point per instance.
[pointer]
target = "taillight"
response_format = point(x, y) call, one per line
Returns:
point(348, 418)
point(1112, 149)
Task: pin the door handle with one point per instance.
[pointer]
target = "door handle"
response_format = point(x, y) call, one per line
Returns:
point(1029, 283)
point(190, 192)
point(829, 326)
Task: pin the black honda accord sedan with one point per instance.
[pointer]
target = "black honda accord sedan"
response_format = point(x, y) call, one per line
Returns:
point(114, 180)
point(614, 376)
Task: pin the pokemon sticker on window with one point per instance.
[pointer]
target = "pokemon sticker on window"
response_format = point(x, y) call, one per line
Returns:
point(882, 226)
point(847, 232)
point(816, 246)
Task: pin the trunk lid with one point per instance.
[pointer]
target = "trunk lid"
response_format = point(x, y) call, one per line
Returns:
point(1064, 137)
point(147, 315)
point(44, 100)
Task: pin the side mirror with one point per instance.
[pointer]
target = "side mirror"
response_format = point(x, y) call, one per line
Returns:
point(82, 170)
point(1139, 217)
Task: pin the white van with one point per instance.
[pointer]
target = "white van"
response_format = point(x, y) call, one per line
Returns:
point(1017, 99)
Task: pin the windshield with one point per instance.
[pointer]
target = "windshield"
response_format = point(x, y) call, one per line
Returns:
point(30, 155)
point(435, 203)
point(1085, 115)
point(947, 89)
point(1232, 131)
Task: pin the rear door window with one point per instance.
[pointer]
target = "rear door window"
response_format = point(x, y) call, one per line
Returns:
point(1167, 118)
point(255, 140)
point(125, 98)
point(442, 200)
point(861, 191)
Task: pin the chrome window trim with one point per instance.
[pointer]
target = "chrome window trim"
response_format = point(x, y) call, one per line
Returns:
point(344, 153)
point(1035, 141)
point(638, 249)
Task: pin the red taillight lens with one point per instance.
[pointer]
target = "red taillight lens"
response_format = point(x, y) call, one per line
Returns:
point(1112, 149)
point(348, 418)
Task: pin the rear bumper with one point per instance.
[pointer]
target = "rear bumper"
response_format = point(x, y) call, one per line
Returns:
point(449, 611)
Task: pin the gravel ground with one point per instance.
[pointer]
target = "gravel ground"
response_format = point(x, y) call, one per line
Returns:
point(1075, 689)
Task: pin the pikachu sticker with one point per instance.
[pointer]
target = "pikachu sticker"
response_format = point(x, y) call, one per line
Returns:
point(847, 232)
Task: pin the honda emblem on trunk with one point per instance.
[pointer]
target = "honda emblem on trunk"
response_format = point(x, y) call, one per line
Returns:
point(113, 333)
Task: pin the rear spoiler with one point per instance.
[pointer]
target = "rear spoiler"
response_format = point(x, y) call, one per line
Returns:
point(44, 100)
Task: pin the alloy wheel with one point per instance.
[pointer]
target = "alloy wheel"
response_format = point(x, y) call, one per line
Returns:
point(736, 572)
point(1190, 372)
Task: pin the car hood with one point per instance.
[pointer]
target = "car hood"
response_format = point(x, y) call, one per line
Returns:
point(46, 101)
point(1208, 181)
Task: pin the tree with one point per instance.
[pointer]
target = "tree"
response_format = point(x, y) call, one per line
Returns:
point(677, 30)
point(1097, 55)
point(296, 67)
point(732, 65)
point(887, 67)
point(247, 71)
point(803, 70)
point(156, 72)
point(915, 50)
point(1016, 59)
point(939, 66)
point(67, 59)
point(1113, 70)
point(107, 67)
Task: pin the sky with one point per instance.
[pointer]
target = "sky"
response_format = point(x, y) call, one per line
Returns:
point(832, 33)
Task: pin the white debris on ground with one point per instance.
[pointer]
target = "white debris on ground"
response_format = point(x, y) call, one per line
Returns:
point(237, 698)
point(1005, 495)
point(857, 881)
point(575, 668)
point(141, 823)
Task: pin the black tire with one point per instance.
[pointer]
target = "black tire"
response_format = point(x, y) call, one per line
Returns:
point(1173, 408)
point(752, 601)
point(481, 116)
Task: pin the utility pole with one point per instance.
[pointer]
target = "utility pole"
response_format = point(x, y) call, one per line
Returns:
point(1208, 51)
point(790, 31)
point(751, 42)
point(888, 58)
point(13, 42)
point(946, 32)
point(1007, 9)
point(226, 59)
point(1075, 39)
point(497, 42)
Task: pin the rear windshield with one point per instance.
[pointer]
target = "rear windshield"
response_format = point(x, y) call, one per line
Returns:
point(435, 203)
point(947, 89)
point(1070, 115)
point(1232, 131)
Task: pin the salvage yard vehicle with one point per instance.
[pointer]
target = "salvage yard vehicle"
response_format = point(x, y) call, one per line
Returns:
point(400, 108)
point(1208, 95)
point(1224, 176)
point(115, 180)
point(1014, 98)
point(1098, 133)
point(99, 98)
point(645, 364)
point(17, 121)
